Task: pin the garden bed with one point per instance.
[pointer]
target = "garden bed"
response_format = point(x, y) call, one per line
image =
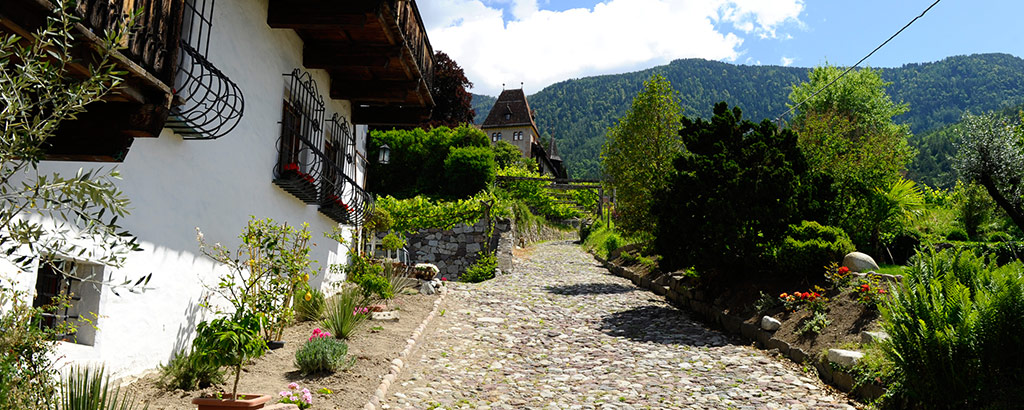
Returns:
point(373, 346)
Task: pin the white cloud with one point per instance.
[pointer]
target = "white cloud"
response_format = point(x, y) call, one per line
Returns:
point(786, 61)
point(540, 47)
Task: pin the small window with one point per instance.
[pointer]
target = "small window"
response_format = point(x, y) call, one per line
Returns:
point(494, 136)
point(508, 116)
point(59, 279)
point(499, 137)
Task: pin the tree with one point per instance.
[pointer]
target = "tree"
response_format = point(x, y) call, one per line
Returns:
point(452, 103)
point(731, 196)
point(638, 152)
point(847, 133)
point(44, 216)
point(418, 159)
point(507, 155)
point(990, 152)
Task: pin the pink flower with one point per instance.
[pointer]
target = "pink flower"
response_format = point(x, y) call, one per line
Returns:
point(293, 386)
point(444, 279)
point(284, 393)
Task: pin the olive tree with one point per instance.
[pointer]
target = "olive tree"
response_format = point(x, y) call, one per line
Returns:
point(990, 152)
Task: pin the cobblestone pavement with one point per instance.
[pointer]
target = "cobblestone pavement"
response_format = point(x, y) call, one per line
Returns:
point(563, 333)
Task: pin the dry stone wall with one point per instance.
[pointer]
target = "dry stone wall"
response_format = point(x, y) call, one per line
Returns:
point(453, 250)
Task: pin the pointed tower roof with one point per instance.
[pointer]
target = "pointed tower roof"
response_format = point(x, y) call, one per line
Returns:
point(511, 109)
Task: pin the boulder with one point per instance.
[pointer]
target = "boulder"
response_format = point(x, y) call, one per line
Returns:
point(770, 324)
point(859, 262)
point(872, 337)
point(844, 357)
point(427, 287)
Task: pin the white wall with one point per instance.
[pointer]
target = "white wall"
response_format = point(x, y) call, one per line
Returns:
point(177, 185)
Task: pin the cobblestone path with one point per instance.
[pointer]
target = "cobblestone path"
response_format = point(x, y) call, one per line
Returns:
point(563, 333)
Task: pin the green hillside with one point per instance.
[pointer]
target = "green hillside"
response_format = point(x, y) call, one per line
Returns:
point(577, 112)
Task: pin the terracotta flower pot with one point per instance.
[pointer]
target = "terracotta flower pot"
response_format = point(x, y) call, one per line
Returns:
point(245, 401)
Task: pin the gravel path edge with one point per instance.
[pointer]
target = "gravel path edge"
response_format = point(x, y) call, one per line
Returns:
point(399, 363)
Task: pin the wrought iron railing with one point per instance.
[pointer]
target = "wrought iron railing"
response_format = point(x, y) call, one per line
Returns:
point(209, 104)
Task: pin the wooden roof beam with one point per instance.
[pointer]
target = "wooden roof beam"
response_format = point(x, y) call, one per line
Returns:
point(343, 55)
point(319, 14)
point(374, 91)
point(384, 116)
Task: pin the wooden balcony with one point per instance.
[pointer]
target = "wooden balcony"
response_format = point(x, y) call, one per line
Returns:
point(137, 108)
point(376, 52)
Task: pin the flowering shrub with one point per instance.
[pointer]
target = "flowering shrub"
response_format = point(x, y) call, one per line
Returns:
point(870, 292)
point(318, 333)
point(425, 271)
point(303, 398)
point(323, 354)
point(814, 300)
point(837, 276)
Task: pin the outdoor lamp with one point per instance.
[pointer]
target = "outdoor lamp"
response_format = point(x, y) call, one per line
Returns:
point(385, 154)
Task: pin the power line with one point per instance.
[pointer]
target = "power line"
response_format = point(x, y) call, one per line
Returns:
point(779, 119)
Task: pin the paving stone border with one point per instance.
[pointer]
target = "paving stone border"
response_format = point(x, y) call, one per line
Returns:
point(674, 288)
point(396, 365)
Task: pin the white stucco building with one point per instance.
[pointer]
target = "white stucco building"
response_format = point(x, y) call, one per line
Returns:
point(263, 113)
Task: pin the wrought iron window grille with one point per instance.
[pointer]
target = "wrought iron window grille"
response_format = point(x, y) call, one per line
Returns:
point(341, 198)
point(299, 168)
point(208, 105)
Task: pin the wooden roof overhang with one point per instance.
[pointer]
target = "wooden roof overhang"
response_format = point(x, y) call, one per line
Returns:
point(376, 52)
point(139, 106)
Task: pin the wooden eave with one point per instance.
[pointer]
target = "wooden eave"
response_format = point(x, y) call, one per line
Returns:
point(370, 59)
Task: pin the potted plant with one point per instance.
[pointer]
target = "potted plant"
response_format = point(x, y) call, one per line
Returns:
point(230, 341)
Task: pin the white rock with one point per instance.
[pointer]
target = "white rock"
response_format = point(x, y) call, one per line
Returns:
point(873, 337)
point(390, 316)
point(770, 324)
point(859, 262)
point(844, 357)
point(490, 320)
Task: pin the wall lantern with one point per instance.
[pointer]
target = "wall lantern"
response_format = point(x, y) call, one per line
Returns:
point(385, 155)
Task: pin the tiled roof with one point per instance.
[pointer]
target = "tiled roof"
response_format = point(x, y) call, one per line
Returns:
point(510, 109)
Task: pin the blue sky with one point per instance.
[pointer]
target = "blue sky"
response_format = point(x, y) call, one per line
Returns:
point(540, 42)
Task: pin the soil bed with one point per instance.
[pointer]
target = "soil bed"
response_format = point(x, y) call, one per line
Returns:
point(373, 349)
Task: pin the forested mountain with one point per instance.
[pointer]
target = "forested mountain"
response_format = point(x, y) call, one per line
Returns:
point(482, 106)
point(577, 112)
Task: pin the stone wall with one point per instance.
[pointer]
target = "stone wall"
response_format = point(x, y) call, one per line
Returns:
point(453, 250)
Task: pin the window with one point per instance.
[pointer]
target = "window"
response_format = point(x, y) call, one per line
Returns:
point(494, 136)
point(508, 116)
point(64, 279)
point(499, 137)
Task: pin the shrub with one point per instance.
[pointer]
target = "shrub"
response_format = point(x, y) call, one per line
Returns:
point(815, 324)
point(955, 329)
point(369, 275)
point(999, 237)
point(187, 373)
point(731, 195)
point(322, 355)
point(27, 377)
point(957, 234)
point(309, 304)
point(808, 247)
point(613, 242)
point(342, 314)
point(468, 170)
point(395, 274)
point(482, 270)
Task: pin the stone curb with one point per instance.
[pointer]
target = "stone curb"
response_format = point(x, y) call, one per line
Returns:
point(674, 290)
point(380, 394)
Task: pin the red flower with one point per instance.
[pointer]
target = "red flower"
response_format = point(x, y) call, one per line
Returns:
point(291, 167)
point(865, 287)
point(881, 291)
point(843, 270)
point(444, 279)
point(815, 295)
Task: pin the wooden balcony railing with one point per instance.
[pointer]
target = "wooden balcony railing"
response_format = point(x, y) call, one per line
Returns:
point(411, 24)
point(153, 44)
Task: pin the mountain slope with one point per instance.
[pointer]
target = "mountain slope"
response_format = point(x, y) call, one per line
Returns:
point(577, 112)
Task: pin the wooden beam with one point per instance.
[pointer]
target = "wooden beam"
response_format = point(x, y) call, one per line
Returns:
point(384, 116)
point(319, 14)
point(373, 91)
point(329, 55)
